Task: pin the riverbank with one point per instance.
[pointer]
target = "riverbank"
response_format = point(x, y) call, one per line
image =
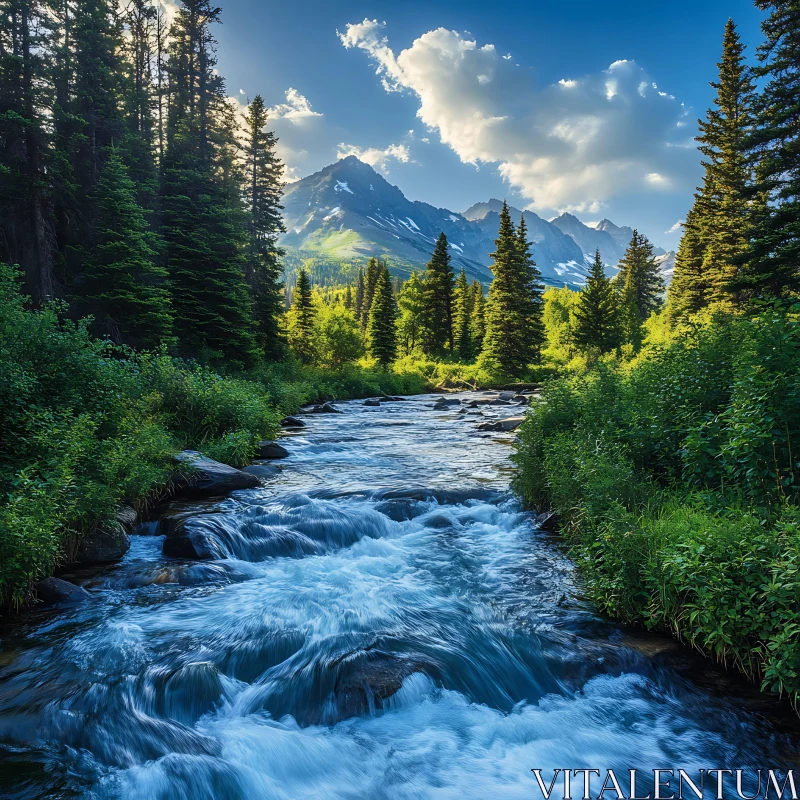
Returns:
point(88, 427)
point(381, 617)
point(675, 480)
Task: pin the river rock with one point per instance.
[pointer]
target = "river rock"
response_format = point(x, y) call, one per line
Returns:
point(506, 396)
point(519, 398)
point(54, 592)
point(508, 424)
point(185, 541)
point(292, 422)
point(271, 450)
point(364, 685)
point(127, 517)
point(548, 521)
point(103, 545)
point(372, 403)
point(393, 398)
point(208, 478)
point(262, 471)
point(325, 408)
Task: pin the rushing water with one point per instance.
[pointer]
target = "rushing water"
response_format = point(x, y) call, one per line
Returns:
point(387, 623)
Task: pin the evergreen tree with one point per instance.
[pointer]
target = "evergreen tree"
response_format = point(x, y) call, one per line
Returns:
point(382, 329)
point(125, 287)
point(529, 295)
point(596, 318)
point(373, 273)
point(477, 323)
point(26, 214)
point(302, 318)
point(438, 288)
point(688, 290)
point(412, 310)
point(772, 262)
point(348, 298)
point(514, 328)
point(461, 323)
point(263, 171)
point(640, 278)
point(359, 301)
point(204, 222)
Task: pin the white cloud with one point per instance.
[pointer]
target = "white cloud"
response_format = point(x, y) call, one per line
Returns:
point(612, 132)
point(296, 109)
point(676, 227)
point(375, 157)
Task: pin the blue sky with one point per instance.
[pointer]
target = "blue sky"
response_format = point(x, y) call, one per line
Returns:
point(581, 106)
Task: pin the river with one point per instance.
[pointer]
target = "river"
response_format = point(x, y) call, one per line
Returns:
point(388, 624)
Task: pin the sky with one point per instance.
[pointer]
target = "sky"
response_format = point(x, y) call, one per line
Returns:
point(575, 106)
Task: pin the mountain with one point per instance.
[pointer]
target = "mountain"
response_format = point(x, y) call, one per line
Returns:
point(347, 212)
point(622, 236)
point(591, 239)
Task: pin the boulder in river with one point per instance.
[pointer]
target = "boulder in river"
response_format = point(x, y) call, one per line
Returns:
point(393, 398)
point(506, 396)
point(271, 450)
point(325, 408)
point(54, 592)
point(508, 424)
point(372, 403)
point(205, 477)
point(106, 543)
point(292, 422)
point(547, 521)
point(195, 542)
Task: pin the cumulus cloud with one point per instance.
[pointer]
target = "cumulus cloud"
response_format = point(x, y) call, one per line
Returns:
point(676, 227)
point(376, 157)
point(572, 145)
point(296, 109)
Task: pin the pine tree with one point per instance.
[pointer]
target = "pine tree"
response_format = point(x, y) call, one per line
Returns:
point(688, 290)
point(359, 301)
point(412, 310)
point(373, 273)
point(204, 222)
point(263, 171)
point(477, 322)
point(438, 288)
point(772, 262)
point(26, 213)
point(529, 295)
point(382, 329)
point(348, 298)
point(514, 328)
point(596, 316)
point(125, 287)
point(461, 322)
point(640, 278)
point(302, 317)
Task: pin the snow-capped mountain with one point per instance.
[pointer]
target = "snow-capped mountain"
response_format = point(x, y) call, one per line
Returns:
point(348, 211)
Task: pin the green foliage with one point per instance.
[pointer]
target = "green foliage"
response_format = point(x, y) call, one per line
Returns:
point(596, 314)
point(514, 331)
point(675, 478)
point(462, 305)
point(382, 328)
point(301, 320)
point(263, 173)
point(338, 337)
point(412, 309)
point(437, 298)
point(124, 284)
point(772, 262)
